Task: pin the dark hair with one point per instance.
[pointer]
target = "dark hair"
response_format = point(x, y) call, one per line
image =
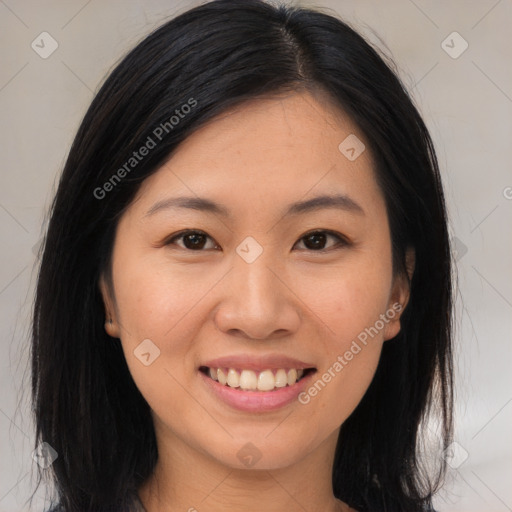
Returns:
point(215, 57)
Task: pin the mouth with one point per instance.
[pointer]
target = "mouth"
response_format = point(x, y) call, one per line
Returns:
point(268, 380)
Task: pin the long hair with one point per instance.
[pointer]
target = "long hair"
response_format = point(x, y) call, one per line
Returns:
point(212, 58)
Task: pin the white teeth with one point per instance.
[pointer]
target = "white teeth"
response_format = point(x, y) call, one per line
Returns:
point(233, 378)
point(248, 380)
point(292, 377)
point(281, 379)
point(221, 376)
point(266, 381)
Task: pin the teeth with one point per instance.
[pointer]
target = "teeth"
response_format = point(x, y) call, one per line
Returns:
point(233, 378)
point(266, 380)
point(249, 380)
point(281, 379)
point(292, 377)
point(221, 377)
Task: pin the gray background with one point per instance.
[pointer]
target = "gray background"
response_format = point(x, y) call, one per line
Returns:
point(466, 102)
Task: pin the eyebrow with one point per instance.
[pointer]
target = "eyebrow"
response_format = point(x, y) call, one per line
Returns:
point(338, 201)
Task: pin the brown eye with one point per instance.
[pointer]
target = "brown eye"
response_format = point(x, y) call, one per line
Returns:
point(192, 240)
point(317, 240)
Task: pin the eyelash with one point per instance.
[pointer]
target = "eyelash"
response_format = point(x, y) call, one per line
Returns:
point(342, 241)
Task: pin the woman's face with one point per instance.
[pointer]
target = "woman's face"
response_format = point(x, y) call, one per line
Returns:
point(251, 288)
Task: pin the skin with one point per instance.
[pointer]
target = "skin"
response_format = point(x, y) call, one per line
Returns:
point(196, 305)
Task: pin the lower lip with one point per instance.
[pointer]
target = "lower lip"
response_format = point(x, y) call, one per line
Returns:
point(256, 401)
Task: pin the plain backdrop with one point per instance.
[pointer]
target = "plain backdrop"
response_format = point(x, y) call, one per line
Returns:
point(456, 60)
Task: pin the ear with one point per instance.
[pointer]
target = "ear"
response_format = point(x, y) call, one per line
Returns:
point(111, 322)
point(400, 296)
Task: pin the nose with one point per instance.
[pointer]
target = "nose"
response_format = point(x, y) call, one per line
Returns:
point(257, 301)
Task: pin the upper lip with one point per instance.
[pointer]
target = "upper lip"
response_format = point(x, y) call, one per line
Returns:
point(257, 362)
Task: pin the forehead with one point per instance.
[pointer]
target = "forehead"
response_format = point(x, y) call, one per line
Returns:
point(291, 127)
point(269, 151)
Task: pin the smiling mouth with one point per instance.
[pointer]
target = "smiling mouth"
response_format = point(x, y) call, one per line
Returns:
point(249, 380)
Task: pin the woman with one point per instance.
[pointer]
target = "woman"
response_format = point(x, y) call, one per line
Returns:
point(244, 299)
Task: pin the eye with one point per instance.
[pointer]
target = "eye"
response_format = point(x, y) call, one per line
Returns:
point(195, 240)
point(192, 240)
point(316, 240)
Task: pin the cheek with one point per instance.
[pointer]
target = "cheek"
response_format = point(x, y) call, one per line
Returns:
point(335, 393)
point(347, 298)
point(351, 344)
point(154, 301)
point(159, 306)
point(349, 301)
